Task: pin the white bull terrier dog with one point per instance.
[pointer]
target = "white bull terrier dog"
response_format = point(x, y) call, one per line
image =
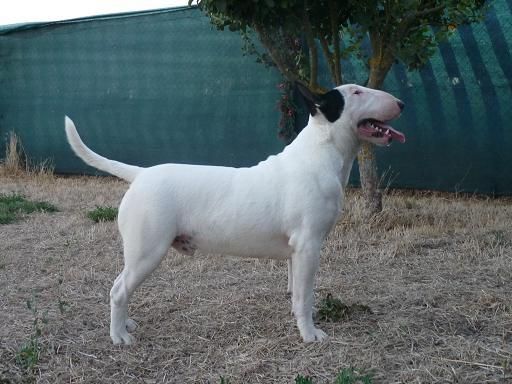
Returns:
point(282, 208)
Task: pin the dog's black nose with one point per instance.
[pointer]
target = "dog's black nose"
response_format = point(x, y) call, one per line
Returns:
point(401, 105)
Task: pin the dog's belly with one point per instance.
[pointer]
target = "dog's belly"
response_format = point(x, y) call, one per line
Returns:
point(268, 247)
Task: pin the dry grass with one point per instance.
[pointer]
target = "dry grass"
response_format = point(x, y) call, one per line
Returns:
point(17, 164)
point(14, 162)
point(435, 271)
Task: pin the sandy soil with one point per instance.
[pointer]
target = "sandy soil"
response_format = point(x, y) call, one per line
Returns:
point(435, 270)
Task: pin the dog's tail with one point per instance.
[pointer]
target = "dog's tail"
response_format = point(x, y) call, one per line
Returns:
point(121, 170)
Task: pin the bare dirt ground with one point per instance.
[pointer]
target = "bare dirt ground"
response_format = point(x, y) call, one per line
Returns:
point(435, 270)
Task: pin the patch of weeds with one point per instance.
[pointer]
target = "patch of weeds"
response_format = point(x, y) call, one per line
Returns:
point(223, 380)
point(102, 214)
point(346, 376)
point(28, 354)
point(334, 310)
point(498, 238)
point(62, 304)
point(410, 204)
point(303, 380)
point(349, 376)
point(13, 205)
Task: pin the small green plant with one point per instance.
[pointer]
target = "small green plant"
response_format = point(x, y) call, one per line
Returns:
point(349, 376)
point(13, 205)
point(346, 376)
point(102, 214)
point(223, 380)
point(303, 380)
point(334, 310)
point(62, 304)
point(28, 354)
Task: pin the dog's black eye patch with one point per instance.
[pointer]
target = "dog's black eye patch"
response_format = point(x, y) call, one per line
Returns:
point(331, 105)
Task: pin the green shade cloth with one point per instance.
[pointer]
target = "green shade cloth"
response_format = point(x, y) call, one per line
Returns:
point(165, 86)
point(143, 88)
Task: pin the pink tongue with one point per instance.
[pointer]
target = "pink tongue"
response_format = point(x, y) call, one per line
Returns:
point(396, 135)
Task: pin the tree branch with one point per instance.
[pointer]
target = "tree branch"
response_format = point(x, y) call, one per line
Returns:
point(329, 57)
point(313, 52)
point(408, 21)
point(275, 54)
point(419, 14)
point(338, 78)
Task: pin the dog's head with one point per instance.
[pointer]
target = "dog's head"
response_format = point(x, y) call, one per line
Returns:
point(364, 111)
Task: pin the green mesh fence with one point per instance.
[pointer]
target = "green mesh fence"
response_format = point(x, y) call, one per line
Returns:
point(143, 88)
point(164, 86)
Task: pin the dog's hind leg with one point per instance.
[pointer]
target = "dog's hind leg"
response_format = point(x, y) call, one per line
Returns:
point(143, 252)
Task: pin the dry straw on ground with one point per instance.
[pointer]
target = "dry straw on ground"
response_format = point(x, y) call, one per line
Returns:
point(435, 270)
point(16, 164)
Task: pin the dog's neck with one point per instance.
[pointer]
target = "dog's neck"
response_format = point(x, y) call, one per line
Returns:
point(339, 149)
point(347, 143)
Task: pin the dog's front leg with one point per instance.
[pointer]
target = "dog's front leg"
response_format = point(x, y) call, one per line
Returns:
point(305, 260)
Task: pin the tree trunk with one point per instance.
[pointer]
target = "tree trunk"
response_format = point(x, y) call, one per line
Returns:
point(380, 64)
point(369, 178)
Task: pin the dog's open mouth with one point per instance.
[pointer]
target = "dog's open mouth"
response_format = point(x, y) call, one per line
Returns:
point(378, 132)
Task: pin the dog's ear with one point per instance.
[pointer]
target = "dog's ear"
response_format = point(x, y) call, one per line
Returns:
point(330, 104)
point(312, 99)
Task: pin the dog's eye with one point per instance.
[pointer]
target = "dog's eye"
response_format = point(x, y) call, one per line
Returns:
point(357, 92)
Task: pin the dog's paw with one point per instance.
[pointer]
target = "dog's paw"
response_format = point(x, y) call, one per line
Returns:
point(131, 325)
point(122, 338)
point(313, 334)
